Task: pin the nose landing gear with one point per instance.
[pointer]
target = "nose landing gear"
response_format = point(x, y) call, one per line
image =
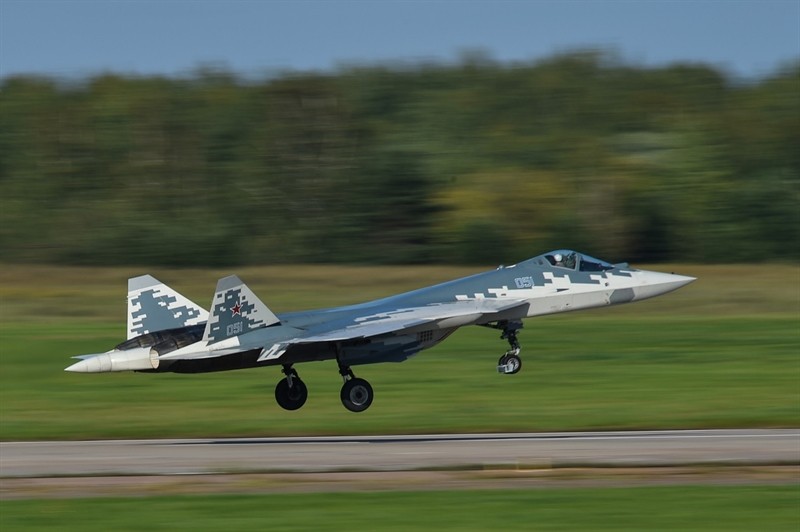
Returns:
point(510, 363)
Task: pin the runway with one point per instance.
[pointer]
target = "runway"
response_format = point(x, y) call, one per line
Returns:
point(399, 453)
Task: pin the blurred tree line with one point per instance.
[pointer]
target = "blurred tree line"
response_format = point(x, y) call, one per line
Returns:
point(478, 162)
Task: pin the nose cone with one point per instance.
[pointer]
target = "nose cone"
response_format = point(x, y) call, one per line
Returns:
point(87, 364)
point(138, 359)
point(656, 283)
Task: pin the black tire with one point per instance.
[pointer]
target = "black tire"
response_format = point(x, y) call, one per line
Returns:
point(357, 395)
point(291, 398)
point(514, 360)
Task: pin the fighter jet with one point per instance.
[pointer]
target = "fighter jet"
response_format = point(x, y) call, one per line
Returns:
point(169, 333)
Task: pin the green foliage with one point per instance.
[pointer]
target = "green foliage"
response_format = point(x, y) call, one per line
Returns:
point(414, 164)
point(649, 508)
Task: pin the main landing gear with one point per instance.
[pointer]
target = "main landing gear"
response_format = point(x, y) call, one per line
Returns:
point(356, 393)
point(510, 363)
point(291, 393)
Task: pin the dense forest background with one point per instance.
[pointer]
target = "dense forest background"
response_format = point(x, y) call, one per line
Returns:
point(477, 162)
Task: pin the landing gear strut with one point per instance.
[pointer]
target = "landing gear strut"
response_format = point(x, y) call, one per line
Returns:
point(291, 393)
point(510, 363)
point(356, 393)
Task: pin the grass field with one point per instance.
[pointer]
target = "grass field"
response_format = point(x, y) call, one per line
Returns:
point(727, 508)
point(722, 352)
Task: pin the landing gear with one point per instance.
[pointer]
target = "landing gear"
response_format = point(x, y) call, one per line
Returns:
point(291, 393)
point(356, 393)
point(510, 363)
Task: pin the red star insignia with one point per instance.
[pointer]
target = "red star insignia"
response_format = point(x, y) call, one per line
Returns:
point(236, 309)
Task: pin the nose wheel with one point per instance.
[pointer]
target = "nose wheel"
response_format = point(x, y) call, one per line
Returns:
point(510, 363)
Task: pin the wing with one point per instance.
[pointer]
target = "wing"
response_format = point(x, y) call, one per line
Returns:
point(442, 315)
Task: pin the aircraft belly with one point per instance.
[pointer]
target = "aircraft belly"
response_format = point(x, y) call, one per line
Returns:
point(304, 353)
point(389, 348)
point(427, 339)
point(241, 360)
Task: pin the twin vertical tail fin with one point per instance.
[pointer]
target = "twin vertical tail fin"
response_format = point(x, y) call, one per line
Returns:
point(153, 306)
point(236, 310)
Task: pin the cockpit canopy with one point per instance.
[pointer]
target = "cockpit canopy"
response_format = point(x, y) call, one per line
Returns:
point(572, 260)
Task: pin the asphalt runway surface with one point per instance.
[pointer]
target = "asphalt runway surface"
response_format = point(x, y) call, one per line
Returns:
point(399, 453)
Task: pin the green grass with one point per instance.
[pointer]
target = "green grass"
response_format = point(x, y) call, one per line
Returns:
point(722, 352)
point(727, 508)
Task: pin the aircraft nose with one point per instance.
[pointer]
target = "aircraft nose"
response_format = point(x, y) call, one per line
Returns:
point(86, 365)
point(657, 283)
point(137, 359)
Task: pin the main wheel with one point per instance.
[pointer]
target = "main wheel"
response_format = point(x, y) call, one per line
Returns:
point(291, 398)
point(356, 395)
point(512, 363)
